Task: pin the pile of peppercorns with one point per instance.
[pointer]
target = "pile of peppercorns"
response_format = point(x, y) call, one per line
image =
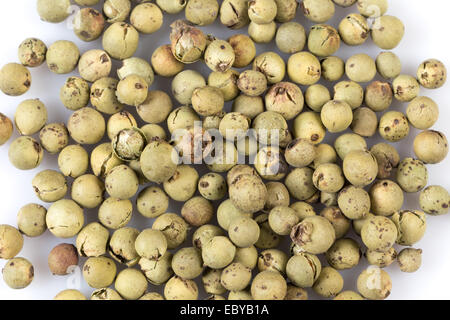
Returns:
point(268, 171)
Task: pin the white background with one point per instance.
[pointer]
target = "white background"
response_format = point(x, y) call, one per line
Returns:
point(426, 37)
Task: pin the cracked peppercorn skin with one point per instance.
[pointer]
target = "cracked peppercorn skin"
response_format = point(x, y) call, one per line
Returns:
point(323, 40)
point(188, 43)
point(32, 52)
point(88, 24)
